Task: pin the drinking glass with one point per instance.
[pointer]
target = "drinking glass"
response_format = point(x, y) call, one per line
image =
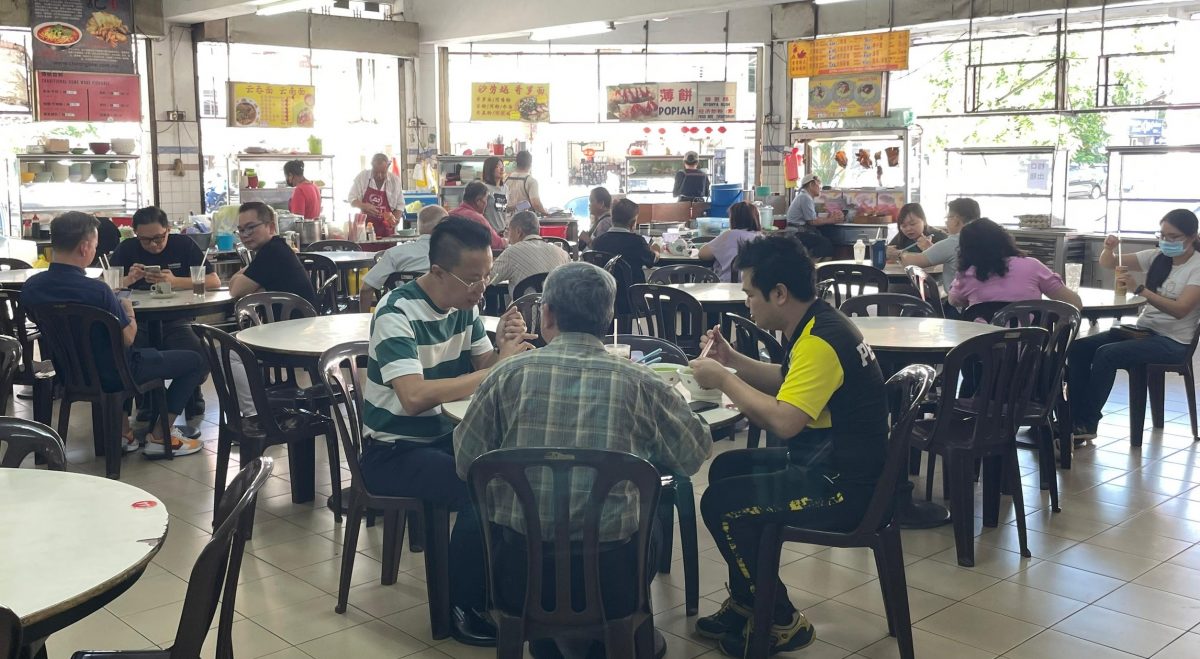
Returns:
point(112, 277)
point(1074, 275)
point(198, 275)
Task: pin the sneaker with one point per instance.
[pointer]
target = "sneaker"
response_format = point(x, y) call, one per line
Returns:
point(129, 443)
point(731, 617)
point(1082, 434)
point(797, 634)
point(191, 429)
point(179, 447)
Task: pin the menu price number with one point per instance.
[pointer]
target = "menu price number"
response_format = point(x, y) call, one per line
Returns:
point(863, 53)
point(67, 96)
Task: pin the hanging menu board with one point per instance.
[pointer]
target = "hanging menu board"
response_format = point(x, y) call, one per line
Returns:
point(862, 53)
point(84, 36)
point(68, 96)
point(675, 101)
point(510, 101)
point(259, 105)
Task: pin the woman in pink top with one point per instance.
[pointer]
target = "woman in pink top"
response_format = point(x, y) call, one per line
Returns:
point(992, 269)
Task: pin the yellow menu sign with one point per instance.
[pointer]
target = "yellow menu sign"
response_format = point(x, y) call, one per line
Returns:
point(863, 53)
point(259, 105)
point(510, 101)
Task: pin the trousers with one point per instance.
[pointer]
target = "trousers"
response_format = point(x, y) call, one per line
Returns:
point(1093, 365)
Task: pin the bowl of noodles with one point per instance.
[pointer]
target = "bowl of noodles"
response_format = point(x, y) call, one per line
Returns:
point(245, 112)
point(57, 35)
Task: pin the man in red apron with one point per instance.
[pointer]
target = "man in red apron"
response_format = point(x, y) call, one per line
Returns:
point(378, 193)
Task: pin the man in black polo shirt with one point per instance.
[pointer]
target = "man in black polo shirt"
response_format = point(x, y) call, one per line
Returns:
point(275, 266)
point(622, 241)
point(828, 398)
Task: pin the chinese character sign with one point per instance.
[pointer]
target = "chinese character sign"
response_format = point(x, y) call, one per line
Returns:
point(676, 101)
point(66, 96)
point(271, 106)
point(882, 51)
point(86, 36)
point(716, 101)
point(1039, 174)
point(512, 101)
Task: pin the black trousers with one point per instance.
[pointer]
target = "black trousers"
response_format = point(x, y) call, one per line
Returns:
point(816, 242)
point(176, 335)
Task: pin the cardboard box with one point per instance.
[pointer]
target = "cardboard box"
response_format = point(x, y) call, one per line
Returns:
point(679, 211)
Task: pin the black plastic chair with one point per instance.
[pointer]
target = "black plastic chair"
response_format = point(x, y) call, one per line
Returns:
point(10, 634)
point(530, 285)
point(68, 331)
point(333, 246)
point(671, 314)
point(213, 580)
point(683, 274)
point(39, 375)
point(596, 258)
point(269, 307)
point(20, 437)
point(852, 279)
point(622, 272)
point(553, 547)
point(565, 244)
point(671, 354)
point(982, 427)
point(877, 530)
point(887, 304)
point(1152, 378)
point(10, 363)
point(321, 272)
point(342, 368)
point(530, 307)
point(13, 264)
point(398, 279)
point(756, 343)
point(927, 287)
point(982, 312)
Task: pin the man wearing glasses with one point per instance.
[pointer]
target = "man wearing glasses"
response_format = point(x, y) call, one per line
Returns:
point(275, 266)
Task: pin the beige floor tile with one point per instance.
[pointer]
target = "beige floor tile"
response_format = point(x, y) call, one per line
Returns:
point(274, 532)
point(1118, 630)
point(1067, 581)
point(415, 623)
point(1109, 562)
point(379, 600)
point(160, 624)
point(1184, 647)
point(99, 631)
point(1065, 524)
point(1156, 605)
point(927, 646)
point(979, 628)
point(1125, 496)
point(946, 579)
point(1027, 604)
point(686, 649)
point(713, 576)
point(1173, 579)
point(1156, 523)
point(327, 574)
point(1050, 644)
point(992, 561)
point(845, 626)
point(291, 653)
point(372, 640)
point(1188, 558)
point(1184, 507)
point(1154, 547)
point(868, 598)
point(274, 592)
point(300, 553)
point(822, 577)
point(149, 593)
point(925, 542)
point(306, 621)
point(249, 642)
point(1149, 482)
point(429, 653)
point(1041, 545)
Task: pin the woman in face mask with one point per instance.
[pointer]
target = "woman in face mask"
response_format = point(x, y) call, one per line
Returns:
point(1163, 330)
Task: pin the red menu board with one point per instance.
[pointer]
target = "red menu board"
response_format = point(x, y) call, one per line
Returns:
point(64, 96)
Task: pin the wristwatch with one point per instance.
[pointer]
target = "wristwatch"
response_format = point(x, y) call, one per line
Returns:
point(1139, 289)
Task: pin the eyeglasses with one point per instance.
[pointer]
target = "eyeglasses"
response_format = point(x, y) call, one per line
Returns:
point(147, 240)
point(249, 228)
point(475, 286)
point(1170, 238)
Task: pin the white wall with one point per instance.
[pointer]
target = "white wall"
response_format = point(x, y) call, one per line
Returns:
point(174, 88)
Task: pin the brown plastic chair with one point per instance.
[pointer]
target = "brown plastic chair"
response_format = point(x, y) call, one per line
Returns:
point(551, 611)
point(333, 246)
point(982, 427)
point(927, 287)
point(671, 314)
point(297, 429)
point(756, 343)
point(20, 437)
point(213, 580)
point(530, 284)
point(342, 368)
point(1152, 378)
point(10, 634)
point(877, 530)
point(67, 331)
point(887, 304)
point(683, 274)
point(852, 279)
point(32, 373)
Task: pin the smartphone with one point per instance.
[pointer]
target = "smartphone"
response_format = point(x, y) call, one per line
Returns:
point(699, 406)
point(156, 269)
point(124, 294)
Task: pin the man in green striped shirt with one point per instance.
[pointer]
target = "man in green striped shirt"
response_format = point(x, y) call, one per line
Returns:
point(428, 347)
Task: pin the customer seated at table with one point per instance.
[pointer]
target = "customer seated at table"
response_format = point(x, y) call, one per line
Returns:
point(992, 269)
point(914, 233)
point(600, 205)
point(827, 399)
point(475, 201)
point(611, 404)
point(1163, 330)
point(527, 254)
point(622, 241)
point(959, 213)
point(428, 347)
point(744, 226)
point(412, 256)
point(174, 255)
point(73, 238)
point(275, 266)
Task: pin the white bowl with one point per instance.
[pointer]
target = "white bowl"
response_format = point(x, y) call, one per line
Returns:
point(124, 146)
point(668, 372)
point(694, 388)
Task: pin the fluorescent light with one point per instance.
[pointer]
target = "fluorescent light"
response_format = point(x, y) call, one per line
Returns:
point(288, 6)
point(573, 30)
point(829, 2)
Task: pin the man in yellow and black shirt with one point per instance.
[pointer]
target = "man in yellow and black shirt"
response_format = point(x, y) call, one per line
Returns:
point(827, 398)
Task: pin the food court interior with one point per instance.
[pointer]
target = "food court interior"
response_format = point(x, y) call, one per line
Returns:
point(1070, 123)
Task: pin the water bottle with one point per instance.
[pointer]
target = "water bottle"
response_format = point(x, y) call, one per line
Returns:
point(860, 251)
point(879, 254)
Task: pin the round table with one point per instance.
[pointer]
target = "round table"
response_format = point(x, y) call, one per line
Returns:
point(183, 305)
point(348, 260)
point(72, 544)
point(894, 271)
point(716, 298)
point(16, 278)
point(1104, 303)
point(691, 258)
point(302, 340)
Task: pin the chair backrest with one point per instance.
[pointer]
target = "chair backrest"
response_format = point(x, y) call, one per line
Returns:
point(321, 270)
point(887, 304)
point(13, 264)
point(341, 368)
point(823, 288)
point(926, 286)
point(671, 354)
point(565, 467)
point(671, 314)
point(327, 296)
point(565, 244)
point(214, 576)
point(905, 392)
point(333, 246)
point(596, 258)
point(217, 346)
point(10, 363)
point(1061, 321)
point(530, 307)
point(754, 341)
point(73, 333)
point(851, 279)
point(10, 634)
point(20, 437)
point(683, 274)
point(982, 312)
point(398, 279)
point(622, 272)
point(269, 307)
point(14, 323)
point(244, 254)
point(530, 284)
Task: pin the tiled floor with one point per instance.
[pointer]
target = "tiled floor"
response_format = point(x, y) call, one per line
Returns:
point(1115, 574)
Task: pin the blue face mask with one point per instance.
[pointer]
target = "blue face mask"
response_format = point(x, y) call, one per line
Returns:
point(1171, 248)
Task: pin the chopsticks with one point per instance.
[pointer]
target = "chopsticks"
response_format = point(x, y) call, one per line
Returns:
point(708, 346)
point(652, 357)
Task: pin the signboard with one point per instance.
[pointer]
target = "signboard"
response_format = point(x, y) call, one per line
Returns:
point(836, 97)
point(259, 105)
point(716, 101)
point(1038, 177)
point(863, 53)
point(676, 101)
point(85, 36)
point(510, 101)
point(69, 96)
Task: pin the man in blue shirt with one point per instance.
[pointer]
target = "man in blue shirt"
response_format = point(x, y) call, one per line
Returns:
point(802, 216)
point(74, 238)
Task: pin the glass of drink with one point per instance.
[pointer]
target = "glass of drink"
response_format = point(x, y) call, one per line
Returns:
point(1119, 286)
point(1074, 275)
point(621, 350)
point(112, 277)
point(198, 275)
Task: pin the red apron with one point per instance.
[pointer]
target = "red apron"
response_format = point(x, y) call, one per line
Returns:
point(379, 199)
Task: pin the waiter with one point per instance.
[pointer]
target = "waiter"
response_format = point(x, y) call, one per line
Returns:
point(379, 194)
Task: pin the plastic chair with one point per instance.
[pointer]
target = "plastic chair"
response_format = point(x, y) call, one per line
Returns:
point(671, 314)
point(877, 530)
point(333, 246)
point(756, 343)
point(530, 307)
point(20, 437)
point(1152, 378)
point(982, 312)
point(598, 259)
point(683, 274)
point(10, 363)
point(565, 244)
point(398, 279)
point(213, 580)
point(927, 287)
point(671, 354)
point(14, 322)
point(982, 427)
point(887, 304)
point(10, 634)
point(269, 307)
point(342, 368)
point(68, 331)
point(552, 548)
point(851, 279)
point(321, 270)
point(13, 264)
point(530, 284)
point(622, 272)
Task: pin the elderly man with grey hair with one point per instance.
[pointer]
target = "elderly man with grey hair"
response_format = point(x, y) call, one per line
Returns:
point(379, 194)
point(412, 256)
point(573, 393)
point(527, 254)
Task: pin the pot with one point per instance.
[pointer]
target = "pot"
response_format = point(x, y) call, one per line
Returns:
point(124, 146)
point(100, 171)
point(118, 173)
point(59, 171)
point(309, 230)
point(78, 172)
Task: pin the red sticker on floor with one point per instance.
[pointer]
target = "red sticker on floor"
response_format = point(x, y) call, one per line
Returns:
point(144, 504)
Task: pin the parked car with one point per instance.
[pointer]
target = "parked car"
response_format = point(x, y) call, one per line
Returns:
point(1086, 180)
